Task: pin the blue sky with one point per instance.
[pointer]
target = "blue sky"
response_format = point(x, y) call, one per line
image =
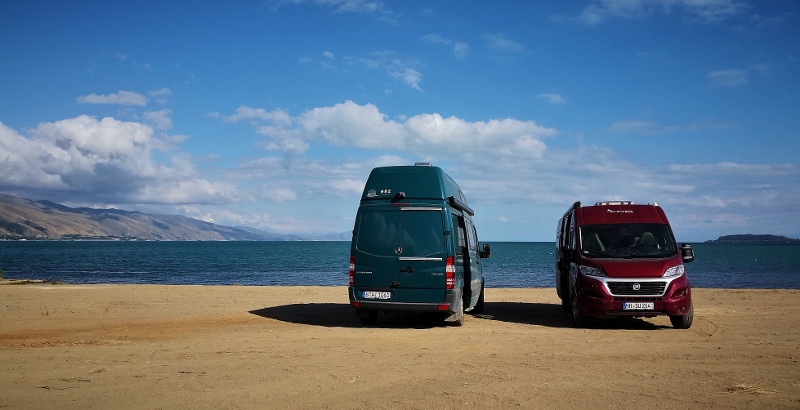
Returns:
point(271, 114)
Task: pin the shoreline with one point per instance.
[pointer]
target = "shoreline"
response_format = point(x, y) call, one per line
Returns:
point(227, 346)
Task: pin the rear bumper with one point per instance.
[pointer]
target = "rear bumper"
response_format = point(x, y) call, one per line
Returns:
point(596, 300)
point(449, 304)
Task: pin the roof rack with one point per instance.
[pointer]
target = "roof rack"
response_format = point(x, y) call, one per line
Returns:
point(422, 164)
point(614, 203)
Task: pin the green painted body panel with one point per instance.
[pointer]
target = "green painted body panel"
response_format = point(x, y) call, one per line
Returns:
point(406, 227)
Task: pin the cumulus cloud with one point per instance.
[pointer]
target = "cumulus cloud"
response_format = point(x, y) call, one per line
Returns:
point(161, 118)
point(90, 160)
point(119, 98)
point(430, 135)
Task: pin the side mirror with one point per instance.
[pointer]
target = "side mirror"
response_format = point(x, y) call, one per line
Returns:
point(486, 252)
point(687, 254)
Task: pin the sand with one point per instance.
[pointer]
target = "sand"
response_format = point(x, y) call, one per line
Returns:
point(249, 347)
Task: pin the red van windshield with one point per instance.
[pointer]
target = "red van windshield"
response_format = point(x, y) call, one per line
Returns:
point(627, 241)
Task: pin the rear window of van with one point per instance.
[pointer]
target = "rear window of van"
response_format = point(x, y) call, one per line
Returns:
point(401, 233)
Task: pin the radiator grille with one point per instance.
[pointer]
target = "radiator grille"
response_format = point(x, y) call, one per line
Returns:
point(645, 288)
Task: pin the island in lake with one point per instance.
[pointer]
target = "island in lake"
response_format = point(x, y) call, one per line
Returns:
point(751, 238)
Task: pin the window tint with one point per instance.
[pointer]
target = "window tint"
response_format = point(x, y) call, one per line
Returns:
point(460, 238)
point(471, 236)
point(421, 233)
point(418, 233)
point(627, 241)
point(378, 233)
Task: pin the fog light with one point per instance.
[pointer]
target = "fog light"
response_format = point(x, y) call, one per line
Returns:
point(683, 309)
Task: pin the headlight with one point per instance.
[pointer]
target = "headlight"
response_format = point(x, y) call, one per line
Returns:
point(674, 271)
point(590, 271)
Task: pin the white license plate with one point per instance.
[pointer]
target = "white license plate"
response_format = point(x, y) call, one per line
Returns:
point(368, 294)
point(638, 306)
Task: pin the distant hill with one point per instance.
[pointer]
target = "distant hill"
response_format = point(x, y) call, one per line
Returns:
point(25, 219)
point(751, 238)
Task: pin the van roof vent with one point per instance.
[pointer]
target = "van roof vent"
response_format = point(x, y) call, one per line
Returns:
point(614, 203)
point(422, 164)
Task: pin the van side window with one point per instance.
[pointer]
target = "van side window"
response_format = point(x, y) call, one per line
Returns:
point(471, 236)
point(460, 239)
point(571, 239)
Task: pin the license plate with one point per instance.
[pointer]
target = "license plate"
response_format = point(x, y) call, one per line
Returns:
point(638, 306)
point(368, 294)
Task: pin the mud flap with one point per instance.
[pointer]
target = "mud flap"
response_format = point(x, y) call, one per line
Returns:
point(458, 315)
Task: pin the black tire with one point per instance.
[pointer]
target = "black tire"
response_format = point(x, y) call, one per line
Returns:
point(683, 322)
point(578, 319)
point(566, 305)
point(371, 319)
point(478, 309)
point(459, 314)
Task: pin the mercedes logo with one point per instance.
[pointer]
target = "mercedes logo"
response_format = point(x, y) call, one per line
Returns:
point(398, 250)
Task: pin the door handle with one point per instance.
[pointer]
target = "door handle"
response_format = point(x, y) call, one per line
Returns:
point(408, 269)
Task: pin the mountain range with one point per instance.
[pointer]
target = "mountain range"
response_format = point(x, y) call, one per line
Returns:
point(26, 219)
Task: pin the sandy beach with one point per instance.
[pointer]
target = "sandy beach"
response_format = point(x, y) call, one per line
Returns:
point(248, 347)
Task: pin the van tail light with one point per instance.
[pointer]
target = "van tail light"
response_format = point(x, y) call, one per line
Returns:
point(449, 273)
point(351, 272)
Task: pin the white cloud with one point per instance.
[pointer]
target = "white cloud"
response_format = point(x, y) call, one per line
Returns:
point(280, 195)
point(460, 49)
point(328, 55)
point(248, 113)
point(119, 98)
point(499, 42)
point(727, 78)
point(87, 160)
point(161, 118)
point(705, 11)
point(553, 98)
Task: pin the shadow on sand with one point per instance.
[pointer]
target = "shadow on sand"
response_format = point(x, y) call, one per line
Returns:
point(536, 314)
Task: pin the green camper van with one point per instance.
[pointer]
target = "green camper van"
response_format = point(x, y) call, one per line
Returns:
point(414, 247)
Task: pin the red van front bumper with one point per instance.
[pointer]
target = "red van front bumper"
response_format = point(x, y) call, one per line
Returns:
point(644, 297)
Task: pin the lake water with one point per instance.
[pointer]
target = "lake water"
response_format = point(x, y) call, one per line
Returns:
point(513, 264)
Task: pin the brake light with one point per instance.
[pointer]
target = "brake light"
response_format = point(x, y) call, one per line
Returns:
point(351, 272)
point(449, 273)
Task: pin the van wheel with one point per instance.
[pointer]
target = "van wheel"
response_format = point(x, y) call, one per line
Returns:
point(478, 309)
point(566, 305)
point(459, 315)
point(683, 322)
point(578, 319)
point(370, 319)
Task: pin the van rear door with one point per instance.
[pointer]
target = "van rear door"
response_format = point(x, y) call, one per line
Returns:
point(401, 250)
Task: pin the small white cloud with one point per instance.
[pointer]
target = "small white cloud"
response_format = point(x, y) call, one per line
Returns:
point(499, 42)
point(246, 113)
point(552, 98)
point(280, 195)
point(705, 11)
point(119, 98)
point(502, 219)
point(727, 78)
point(328, 55)
point(163, 92)
point(161, 118)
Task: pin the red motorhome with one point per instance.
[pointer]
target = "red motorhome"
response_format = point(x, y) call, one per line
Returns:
point(618, 259)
